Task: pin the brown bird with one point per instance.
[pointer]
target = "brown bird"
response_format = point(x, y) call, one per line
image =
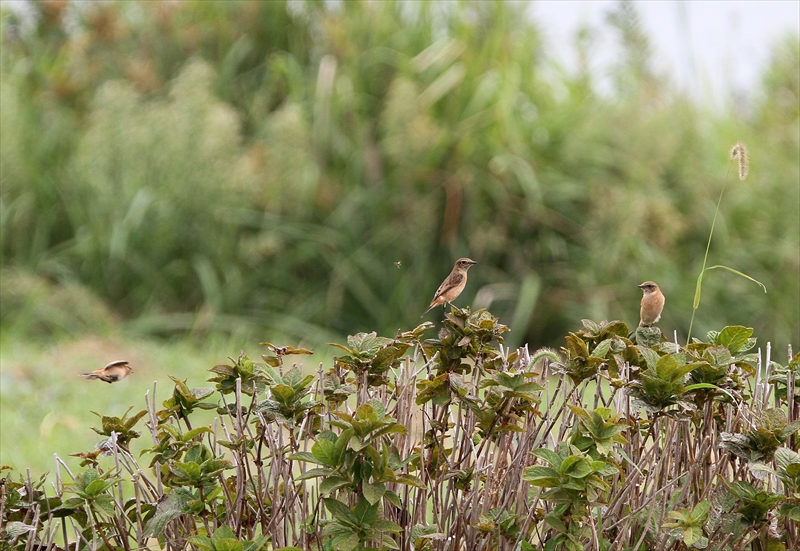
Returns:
point(113, 372)
point(453, 285)
point(652, 304)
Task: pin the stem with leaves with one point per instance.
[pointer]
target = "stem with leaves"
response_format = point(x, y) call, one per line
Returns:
point(738, 152)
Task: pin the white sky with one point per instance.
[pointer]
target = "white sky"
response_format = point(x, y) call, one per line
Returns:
point(706, 45)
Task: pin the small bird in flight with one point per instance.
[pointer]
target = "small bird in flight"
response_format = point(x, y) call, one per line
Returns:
point(113, 372)
point(453, 285)
point(652, 304)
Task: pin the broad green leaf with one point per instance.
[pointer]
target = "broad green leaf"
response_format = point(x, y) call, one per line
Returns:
point(332, 483)
point(194, 432)
point(650, 356)
point(339, 510)
point(373, 492)
point(202, 542)
point(324, 452)
point(228, 544)
point(734, 337)
point(314, 473)
point(365, 513)
point(548, 455)
point(700, 511)
point(96, 487)
point(303, 456)
point(223, 532)
point(345, 542)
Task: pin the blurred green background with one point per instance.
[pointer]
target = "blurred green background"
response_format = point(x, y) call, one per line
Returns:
point(182, 179)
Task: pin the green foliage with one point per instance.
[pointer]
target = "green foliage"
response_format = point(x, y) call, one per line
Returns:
point(753, 504)
point(289, 403)
point(589, 350)
point(244, 372)
point(598, 431)
point(780, 377)
point(122, 427)
point(184, 400)
point(662, 383)
point(352, 528)
point(764, 438)
point(688, 524)
point(371, 357)
point(225, 540)
point(479, 441)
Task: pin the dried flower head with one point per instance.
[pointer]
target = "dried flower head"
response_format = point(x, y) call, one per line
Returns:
point(739, 151)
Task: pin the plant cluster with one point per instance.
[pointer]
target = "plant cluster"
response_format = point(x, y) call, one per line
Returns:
point(623, 441)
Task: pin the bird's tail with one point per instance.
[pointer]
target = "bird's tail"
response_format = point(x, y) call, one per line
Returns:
point(431, 307)
point(90, 375)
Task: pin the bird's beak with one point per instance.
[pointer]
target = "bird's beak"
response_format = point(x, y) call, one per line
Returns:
point(641, 286)
point(473, 262)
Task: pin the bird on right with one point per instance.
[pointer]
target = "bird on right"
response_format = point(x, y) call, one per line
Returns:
point(652, 304)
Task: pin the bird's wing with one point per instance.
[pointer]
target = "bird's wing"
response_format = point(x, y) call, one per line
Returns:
point(451, 282)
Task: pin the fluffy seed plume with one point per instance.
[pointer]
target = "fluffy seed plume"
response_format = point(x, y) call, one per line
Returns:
point(739, 151)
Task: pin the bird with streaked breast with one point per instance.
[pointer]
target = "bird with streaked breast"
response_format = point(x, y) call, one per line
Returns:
point(652, 304)
point(452, 286)
point(113, 372)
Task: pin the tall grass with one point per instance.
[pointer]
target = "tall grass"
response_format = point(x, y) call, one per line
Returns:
point(264, 167)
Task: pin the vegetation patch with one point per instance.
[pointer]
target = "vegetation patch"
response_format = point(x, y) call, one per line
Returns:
point(623, 440)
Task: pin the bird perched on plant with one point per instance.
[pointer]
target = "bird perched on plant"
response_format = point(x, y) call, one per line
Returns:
point(453, 285)
point(652, 304)
point(113, 372)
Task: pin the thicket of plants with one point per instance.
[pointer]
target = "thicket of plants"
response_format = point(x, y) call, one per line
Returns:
point(623, 441)
point(312, 169)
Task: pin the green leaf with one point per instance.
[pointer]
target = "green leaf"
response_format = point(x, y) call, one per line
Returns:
point(96, 487)
point(228, 544)
point(104, 503)
point(700, 511)
point(691, 534)
point(202, 542)
point(737, 272)
point(194, 432)
point(544, 477)
point(339, 510)
point(324, 452)
point(223, 532)
point(650, 356)
point(332, 483)
point(383, 525)
point(283, 393)
point(697, 291)
point(373, 492)
point(345, 542)
point(365, 513)
point(303, 456)
point(259, 543)
point(548, 455)
point(366, 412)
point(734, 337)
point(699, 386)
point(15, 529)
